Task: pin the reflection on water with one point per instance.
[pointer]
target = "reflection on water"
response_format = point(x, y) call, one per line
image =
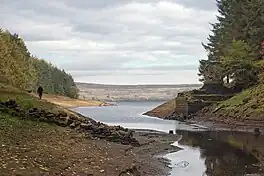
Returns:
point(204, 153)
point(217, 153)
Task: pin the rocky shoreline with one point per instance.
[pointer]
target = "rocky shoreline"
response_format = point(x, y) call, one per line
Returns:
point(246, 126)
point(217, 107)
point(133, 152)
point(75, 121)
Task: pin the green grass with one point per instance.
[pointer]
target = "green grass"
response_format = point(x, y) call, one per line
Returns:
point(250, 97)
point(238, 99)
point(207, 95)
point(163, 110)
point(16, 122)
point(249, 104)
point(12, 128)
point(24, 99)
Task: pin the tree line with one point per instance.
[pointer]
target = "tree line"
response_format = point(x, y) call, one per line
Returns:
point(20, 69)
point(235, 46)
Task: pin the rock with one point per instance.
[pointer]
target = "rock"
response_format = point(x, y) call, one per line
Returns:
point(78, 122)
point(130, 171)
point(61, 121)
point(50, 115)
point(62, 114)
point(135, 143)
point(257, 131)
point(86, 126)
point(11, 103)
point(73, 125)
point(33, 113)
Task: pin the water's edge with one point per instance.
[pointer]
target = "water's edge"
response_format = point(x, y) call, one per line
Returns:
point(200, 146)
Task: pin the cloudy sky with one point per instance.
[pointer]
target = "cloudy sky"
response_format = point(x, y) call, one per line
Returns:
point(115, 41)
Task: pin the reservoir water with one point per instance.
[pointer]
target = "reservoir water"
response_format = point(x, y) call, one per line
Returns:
point(205, 153)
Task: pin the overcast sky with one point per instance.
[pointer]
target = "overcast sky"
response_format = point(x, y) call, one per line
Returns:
point(115, 41)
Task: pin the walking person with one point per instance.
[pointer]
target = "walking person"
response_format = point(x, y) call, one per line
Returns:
point(40, 92)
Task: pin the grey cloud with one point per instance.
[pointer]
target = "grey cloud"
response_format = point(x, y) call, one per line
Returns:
point(107, 73)
point(198, 4)
point(102, 29)
point(88, 4)
point(118, 68)
point(100, 36)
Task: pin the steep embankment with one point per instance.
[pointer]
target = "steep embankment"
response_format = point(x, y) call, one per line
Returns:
point(162, 110)
point(245, 108)
point(185, 104)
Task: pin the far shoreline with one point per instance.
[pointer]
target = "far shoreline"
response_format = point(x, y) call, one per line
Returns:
point(70, 103)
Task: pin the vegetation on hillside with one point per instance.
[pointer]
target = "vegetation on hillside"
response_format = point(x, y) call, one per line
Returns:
point(19, 69)
point(25, 100)
point(236, 58)
point(235, 48)
point(247, 105)
point(235, 64)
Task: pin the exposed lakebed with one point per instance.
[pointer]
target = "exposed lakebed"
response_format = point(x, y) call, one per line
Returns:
point(204, 153)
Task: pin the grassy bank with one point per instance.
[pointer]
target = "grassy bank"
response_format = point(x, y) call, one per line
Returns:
point(162, 110)
point(29, 100)
point(245, 106)
point(24, 99)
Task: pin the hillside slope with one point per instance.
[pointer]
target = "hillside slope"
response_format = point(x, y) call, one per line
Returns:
point(42, 138)
point(247, 107)
point(131, 92)
point(162, 110)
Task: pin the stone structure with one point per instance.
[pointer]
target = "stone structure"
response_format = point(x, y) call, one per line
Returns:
point(181, 106)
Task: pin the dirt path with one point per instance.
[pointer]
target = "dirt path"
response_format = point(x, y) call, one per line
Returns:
point(70, 103)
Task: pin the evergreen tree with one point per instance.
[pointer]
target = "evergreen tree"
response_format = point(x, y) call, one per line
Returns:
point(240, 26)
point(20, 69)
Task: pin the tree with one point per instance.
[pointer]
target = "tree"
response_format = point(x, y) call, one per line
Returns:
point(15, 64)
point(19, 69)
point(239, 62)
point(239, 25)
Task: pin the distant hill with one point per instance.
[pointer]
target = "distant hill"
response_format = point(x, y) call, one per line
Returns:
point(140, 85)
point(132, 92)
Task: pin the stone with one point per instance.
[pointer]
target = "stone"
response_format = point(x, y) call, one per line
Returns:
point(50, 115)
point(73, 125)
point(257, 131)
point(85, 126)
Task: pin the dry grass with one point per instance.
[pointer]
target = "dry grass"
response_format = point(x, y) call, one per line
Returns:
point(69, 102)
point(163, 110)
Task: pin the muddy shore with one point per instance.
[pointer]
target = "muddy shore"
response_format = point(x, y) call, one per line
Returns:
point(39, 142)
point(67, 152)
point(214, 125)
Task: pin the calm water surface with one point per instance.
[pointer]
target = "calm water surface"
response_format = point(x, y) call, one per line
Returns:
point(204, 153)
